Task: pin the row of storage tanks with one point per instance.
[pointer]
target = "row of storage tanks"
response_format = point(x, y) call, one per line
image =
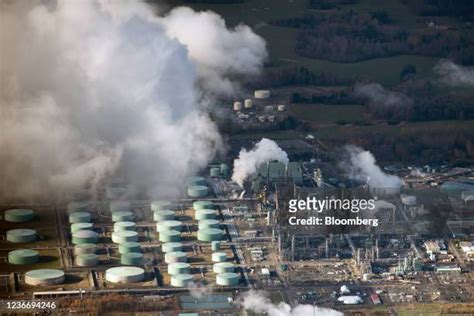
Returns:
point(29, 256)
point(248, 103)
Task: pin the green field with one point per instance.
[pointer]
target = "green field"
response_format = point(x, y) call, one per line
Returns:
point(281, 41)
point(323, 113)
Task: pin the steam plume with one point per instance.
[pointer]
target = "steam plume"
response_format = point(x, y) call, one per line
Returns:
point(248, 162)
point(257, 302)
point(381, 97)
point(92, 88)
point(453, 74)
point(361, 165)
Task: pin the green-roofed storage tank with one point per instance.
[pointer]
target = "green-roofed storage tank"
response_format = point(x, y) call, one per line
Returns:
point(223, 267)
point(168, 225)
point(130, 246)
point(200, 205)
point(23, 256)
point(193, 181)
point(181, 280)
point(87, 260)
point(125, 274)
point(170, 236)
point(216, 246)
point(227, 279)
point(197, 191)
point(121, 226)
point(162, 205)
point(120, 206)
point(21, 235)
point(124, 236)
point(163, 215)
point(215, 172)
point(85, 237)
point(122, 216)
point(44, 277)
point(83, 249)
point(209, 234)
point(171, 246)
point(175, 256)
point(131, 258)
point(178, 268)
point(81, 226)
point(219, 257)
point(205, 214)
point(208, 223)
point(79, 217)
point(77, 207)
point(18, 215)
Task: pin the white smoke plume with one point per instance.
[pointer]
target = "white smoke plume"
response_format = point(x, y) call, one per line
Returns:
point(221, 54)
point(381, 97)
point(361, 165)
point(99, 87)
point(199, 290)
point(248, 162)
point(258, 302)
point(454, 75)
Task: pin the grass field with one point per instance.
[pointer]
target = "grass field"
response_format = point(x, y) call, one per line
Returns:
point(322, 113)
point(281, 41)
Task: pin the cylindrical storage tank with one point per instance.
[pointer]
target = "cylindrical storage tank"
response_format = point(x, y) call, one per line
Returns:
point(44, 277)
point(178, 268)
point(122, 216)
point(248, 103)
point(21, 235)
point(281, 107)
point(215, 172)
point(77, 207)
point(163, 215)
point(229, 278)
point(201, 205)
point(168, 225)
point(216, 246)
point(205, 214)
point(171, 247)
point(219, 257)
point(18, 215)
point(268, 108)
point(23, 256)
point(225, 170)
point(209, 234)
point(261, 94)
point(79, 217)
point(124, 236)
point(197, 191)
point(181, 280)
point(83, 249)
point(80, 226)
point(192, 181)
point(223, 267)
point(85, 237)
point(87, 260)
point(170, 236)
point(162, 205)
point(115, 191)
point(125, 274)
point(120, 206)
point(129, 246)
point(122, 226)
point(208, 223)
point(237, 106)
point(131, 258)
point(175, 256)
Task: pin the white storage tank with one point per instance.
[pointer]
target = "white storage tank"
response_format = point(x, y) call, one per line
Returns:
point(262, 94)
point(237, 106)
point(121, 226)
point(248, 103)
point(223, 267)
point(124, 236)
point(125, 274)
point(83, 249)
point(281, 108)
point(44, 277)
point(219, 257)
point(21, 235)
point(171, 247)
point(87, 260)
point(227, 279)
point(175, 256)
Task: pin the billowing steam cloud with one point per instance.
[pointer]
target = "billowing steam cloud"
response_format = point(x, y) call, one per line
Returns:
point(248, 162)
point(221, 54)
point(381, 97)
point(454, 75)
point(257, 302)
point(361, 165)
point(91, 88)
